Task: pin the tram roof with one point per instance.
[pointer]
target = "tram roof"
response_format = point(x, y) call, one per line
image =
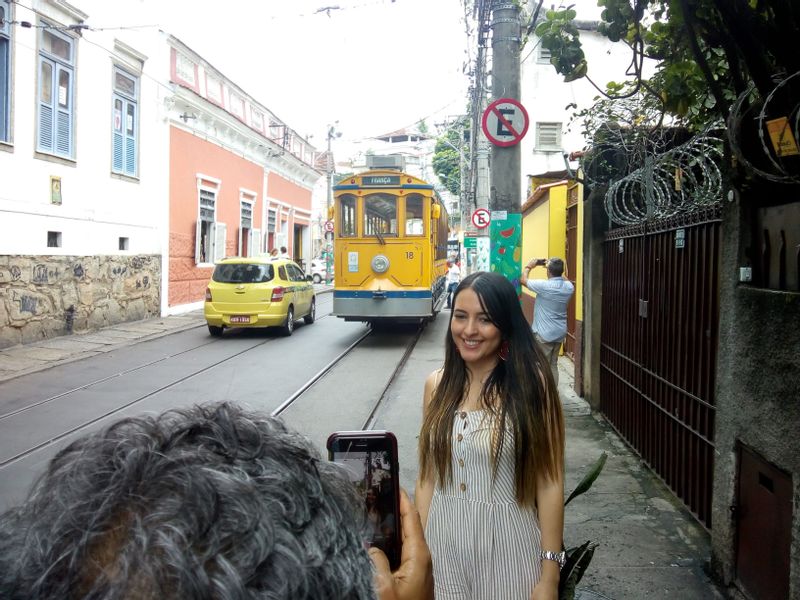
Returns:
point(382, 178)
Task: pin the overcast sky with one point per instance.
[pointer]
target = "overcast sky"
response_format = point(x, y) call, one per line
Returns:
point(373, 65)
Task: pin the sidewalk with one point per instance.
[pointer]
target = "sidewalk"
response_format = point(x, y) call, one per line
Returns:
point(37, 356)
point(649, 544)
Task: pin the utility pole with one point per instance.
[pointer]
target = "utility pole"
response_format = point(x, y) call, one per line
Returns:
point(506, 161)
point(332, 133)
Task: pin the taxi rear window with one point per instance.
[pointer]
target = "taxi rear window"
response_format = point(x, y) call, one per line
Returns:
point(243, 273)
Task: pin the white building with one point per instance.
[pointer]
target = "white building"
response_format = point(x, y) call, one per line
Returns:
point(95, 227)
point(550, 101)
point(82, 208)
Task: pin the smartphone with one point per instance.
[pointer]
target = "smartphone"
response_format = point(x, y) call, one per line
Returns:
point(370, 460)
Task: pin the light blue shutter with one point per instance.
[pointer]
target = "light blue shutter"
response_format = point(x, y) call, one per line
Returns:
point(45, 142)
point(117, 117)
point(130, 137)
point(63, 137)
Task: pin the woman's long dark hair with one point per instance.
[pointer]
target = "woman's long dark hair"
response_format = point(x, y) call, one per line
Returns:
point(520, 391)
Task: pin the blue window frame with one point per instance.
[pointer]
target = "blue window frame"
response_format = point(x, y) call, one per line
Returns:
point(56, 115)
point(125, 123)
point(5, 71)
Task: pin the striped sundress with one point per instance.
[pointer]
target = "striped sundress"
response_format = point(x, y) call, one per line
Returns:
point(484, 545)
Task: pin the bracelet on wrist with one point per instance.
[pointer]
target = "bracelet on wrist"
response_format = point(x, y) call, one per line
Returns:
point(559, 557)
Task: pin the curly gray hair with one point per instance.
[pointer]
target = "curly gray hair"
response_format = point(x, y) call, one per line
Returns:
point(208, 502)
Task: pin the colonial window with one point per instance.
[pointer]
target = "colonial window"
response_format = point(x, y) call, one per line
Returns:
point(5, 72)
point(56, 116)
point(237, 105)
point(214, 89)
point(257, 119)
point(272, 217)
point(125, 125)
point(210, 235)
point(249, 238)
point(548, 136)
point(185, 69)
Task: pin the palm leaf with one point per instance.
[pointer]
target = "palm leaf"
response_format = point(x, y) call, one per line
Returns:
point(578, 560)
point(589, 478)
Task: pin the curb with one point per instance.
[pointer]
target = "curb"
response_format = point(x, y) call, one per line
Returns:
point(91, 353)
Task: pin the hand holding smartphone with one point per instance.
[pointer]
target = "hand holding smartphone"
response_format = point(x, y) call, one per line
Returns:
point(370, 459)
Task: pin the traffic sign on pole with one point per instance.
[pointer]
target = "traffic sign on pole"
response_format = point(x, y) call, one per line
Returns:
point(505, 122)
point(481, 218)
point(329, 226)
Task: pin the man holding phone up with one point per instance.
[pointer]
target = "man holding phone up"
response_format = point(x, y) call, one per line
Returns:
point(550, 309)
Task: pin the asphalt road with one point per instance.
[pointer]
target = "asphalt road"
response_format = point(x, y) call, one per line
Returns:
point(42, 412)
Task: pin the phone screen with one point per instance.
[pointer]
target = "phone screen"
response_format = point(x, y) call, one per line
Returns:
point(370, 461)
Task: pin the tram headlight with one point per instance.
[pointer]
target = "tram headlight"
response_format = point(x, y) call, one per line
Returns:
point(380, 264)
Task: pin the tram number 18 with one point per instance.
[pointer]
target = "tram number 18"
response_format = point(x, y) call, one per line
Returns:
point(410, 255)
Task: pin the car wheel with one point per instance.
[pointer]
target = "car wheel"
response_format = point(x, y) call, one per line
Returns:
point(288, 326)
point(215, 330)
point(317, 278)
point(312, 312)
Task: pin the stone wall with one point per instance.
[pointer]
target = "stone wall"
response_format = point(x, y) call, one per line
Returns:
point(48, 296)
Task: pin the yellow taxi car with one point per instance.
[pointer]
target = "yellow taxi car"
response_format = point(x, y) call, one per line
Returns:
point(258, 292)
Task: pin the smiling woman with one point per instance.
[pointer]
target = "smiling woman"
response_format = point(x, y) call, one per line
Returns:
point(492, 453)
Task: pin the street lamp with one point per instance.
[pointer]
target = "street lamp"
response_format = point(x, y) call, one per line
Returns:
point(332, 133)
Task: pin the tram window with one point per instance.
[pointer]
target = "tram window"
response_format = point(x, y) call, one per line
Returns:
point(347, 215)
point(415, 225)
point(380, 214)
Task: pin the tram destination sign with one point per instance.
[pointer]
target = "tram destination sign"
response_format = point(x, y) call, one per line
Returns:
point(380, 180)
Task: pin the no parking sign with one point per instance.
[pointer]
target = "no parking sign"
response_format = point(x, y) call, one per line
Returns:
point(505, 122)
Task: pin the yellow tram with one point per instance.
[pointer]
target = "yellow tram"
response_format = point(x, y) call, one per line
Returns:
point(390, 248)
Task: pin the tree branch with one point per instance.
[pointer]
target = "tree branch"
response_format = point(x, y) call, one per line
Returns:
point(716, 90)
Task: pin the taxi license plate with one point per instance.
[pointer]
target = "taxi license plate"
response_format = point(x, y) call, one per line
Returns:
point(240, 319)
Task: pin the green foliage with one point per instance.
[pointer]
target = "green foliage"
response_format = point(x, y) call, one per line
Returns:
point(447, 158)
point(579, 557)
point(706, 51)
point(560, 35)
point(589, 478)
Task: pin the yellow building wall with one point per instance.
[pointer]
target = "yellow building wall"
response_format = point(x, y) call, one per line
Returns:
point(544, 235)
point(557, 238)
point(535, 228)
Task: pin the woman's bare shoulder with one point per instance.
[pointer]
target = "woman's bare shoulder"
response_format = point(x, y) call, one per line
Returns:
point(434, 377)
point(431, 382)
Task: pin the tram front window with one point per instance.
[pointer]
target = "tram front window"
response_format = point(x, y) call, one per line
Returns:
point(414, 223)
point(380, 215)
point(347, 215)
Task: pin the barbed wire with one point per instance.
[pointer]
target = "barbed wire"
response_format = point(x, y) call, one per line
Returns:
point(738, 120)
point(680, 180)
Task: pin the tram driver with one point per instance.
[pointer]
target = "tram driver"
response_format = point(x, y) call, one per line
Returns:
point(207, 502)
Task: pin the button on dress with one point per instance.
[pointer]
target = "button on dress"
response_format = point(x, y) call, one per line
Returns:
point(484, 546)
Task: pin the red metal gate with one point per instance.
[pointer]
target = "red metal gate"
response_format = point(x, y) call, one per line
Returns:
point(658, 348)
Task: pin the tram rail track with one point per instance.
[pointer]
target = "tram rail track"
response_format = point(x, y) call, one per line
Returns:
point(53, 439)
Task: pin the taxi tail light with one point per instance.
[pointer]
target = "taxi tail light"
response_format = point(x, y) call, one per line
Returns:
point(208, 294)
point(277, 294)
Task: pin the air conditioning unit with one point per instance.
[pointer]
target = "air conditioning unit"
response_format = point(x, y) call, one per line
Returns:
point(391, 161)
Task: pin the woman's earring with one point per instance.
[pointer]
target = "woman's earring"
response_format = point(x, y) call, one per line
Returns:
point(503, 351)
